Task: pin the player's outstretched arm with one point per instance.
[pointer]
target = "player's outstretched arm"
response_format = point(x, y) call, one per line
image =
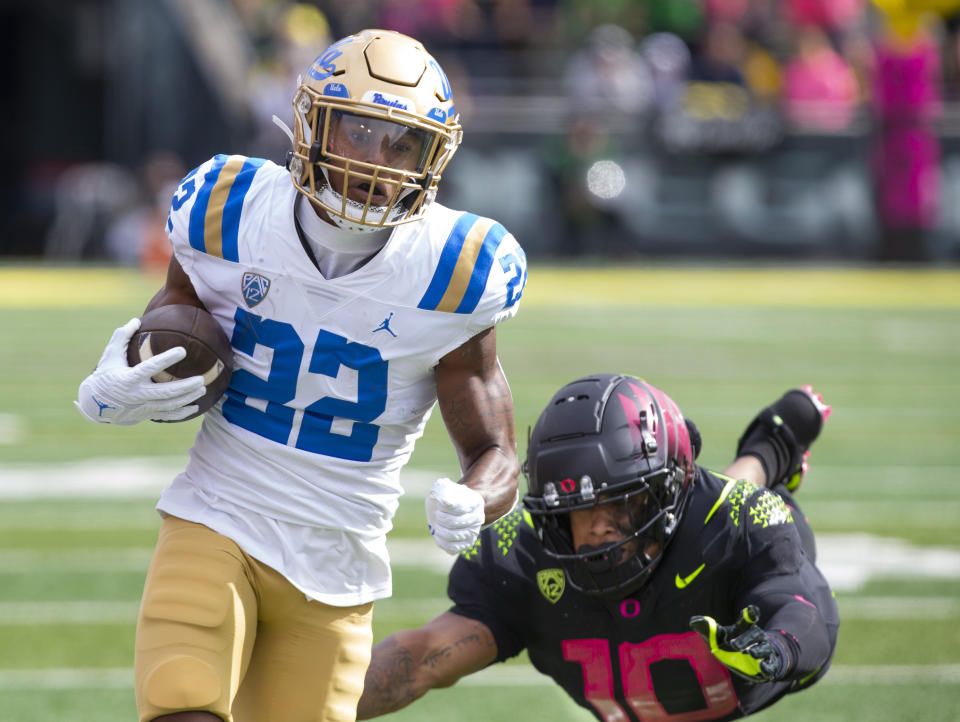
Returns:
point(477, 408)
point(743, 647)
point(408, 664)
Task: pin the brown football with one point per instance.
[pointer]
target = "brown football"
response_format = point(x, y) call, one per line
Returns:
point(209, 353)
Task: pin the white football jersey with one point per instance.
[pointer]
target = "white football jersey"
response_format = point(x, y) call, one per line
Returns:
point(333, 379)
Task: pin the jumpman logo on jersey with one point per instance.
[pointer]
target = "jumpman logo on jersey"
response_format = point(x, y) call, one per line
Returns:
point(385, 326)
point(101, 405)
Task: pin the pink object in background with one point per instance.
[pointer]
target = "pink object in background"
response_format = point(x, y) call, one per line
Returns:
point(907, 100)
point(824, 13)
point(820, 88)
point(726, 10)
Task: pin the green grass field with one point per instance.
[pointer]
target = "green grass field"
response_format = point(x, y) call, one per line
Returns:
point(77, 526)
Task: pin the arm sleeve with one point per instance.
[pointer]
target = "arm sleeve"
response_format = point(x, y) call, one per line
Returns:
point(796, 604)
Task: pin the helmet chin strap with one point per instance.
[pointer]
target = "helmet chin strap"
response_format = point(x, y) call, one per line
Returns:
point(328, 239)
point(285, 128)
point(354, 210)
point(600, 560)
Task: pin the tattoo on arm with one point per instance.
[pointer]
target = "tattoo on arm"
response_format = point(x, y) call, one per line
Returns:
point(435, 659)
point(400, 672)
point(389, 681)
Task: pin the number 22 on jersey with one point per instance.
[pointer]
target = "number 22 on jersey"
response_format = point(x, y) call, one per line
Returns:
point(330, 353)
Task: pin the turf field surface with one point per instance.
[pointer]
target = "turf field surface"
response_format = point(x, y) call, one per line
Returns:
point(883, 346)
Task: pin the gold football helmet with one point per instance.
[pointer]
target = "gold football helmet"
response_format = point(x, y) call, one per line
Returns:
point(374, 128)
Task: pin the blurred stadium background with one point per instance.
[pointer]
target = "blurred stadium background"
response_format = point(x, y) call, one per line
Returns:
point(729, 197)
point(801, 129)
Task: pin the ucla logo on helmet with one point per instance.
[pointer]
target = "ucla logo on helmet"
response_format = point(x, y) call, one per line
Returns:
point(446, 90)
point(324, 66)
point(254, 288)
point(336, 90)
point(552, 582)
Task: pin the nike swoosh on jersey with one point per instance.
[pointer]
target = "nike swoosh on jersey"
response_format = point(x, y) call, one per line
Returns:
point(681, 583)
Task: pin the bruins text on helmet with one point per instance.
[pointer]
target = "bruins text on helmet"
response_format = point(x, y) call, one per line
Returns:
point(374, 128)
point(609, 440)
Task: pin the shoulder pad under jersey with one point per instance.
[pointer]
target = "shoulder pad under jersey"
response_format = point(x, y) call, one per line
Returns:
point(747, 505)
point(207, 205)
point(481, 270)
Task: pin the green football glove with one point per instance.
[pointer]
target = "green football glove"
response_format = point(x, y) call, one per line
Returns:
point(743, 648)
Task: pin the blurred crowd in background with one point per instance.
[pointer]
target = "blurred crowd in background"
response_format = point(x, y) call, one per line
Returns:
point(810, 128)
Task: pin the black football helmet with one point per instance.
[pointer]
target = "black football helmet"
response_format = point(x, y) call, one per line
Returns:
point(609, 439)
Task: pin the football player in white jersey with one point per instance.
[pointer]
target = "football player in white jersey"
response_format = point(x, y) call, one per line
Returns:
point(354, 304)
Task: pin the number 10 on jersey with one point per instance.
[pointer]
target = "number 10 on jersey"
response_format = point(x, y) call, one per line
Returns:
point(717, 696)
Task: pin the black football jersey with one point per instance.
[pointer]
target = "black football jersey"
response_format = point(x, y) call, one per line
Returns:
point(637, 658)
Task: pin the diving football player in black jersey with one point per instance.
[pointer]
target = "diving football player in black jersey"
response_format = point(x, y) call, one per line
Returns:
point(647, 587)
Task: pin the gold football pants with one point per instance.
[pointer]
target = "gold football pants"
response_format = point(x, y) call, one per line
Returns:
point(221, 632)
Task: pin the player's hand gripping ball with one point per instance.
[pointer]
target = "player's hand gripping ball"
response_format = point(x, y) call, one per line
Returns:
point(209, 353)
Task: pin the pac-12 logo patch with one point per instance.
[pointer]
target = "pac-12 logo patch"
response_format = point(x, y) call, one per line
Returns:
point(254, 288)
point(552, 583)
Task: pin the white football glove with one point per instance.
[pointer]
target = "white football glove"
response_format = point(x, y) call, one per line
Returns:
point(454, 515)
point(116, 393)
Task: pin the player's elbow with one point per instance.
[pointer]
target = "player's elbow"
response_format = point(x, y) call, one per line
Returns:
point(400, 672)
point(377, 705)
point(382, 697)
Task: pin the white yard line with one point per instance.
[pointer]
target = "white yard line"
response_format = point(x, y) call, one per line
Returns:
point(31, 613)
point(74, 612)
point(892, 674)
point(77, 560)
point(66, 678)
point(847, 560)
point(511, 675)
point(132, 478)
point(411, 553)
point(925, 608)
point(91, 478)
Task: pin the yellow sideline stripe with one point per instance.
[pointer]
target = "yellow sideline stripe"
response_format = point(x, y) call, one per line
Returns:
point(27, 286)
point(43, 287)
point(737, 286)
